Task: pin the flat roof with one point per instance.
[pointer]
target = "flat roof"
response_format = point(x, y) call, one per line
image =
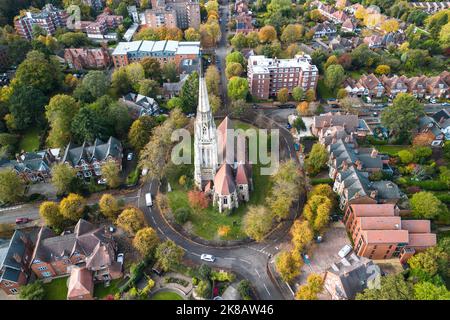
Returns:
point(386, 236)
point(380, 223)
point(158, 46)
point(422, 240)
point(417, 226)
point(373, 210)
point(125, 47)
point(147, 46)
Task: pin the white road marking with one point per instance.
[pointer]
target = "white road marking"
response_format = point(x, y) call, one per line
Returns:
point(246, 261)
point(11, 208)
point(266, 289)
point(257, 273)
point(195, 254)
point(160, 230)
point(153, 218)
point(290, 289)
point(230, 258)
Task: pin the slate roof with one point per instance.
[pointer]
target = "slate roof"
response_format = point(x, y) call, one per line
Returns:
point(99, 150)
point(143, 105)
point(223, 180)
point(386, 189)
point(356, 182)
point(11, 267)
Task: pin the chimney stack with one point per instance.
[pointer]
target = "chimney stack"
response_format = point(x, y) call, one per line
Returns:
point(374, 153)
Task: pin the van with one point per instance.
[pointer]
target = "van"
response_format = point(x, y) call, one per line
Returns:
point(148, 200)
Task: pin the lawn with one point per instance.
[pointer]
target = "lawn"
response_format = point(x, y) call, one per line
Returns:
point(56, 289)
point(100, 291)
point(166, 295)
point(206, 222)
point(30, 140)
point(391, 149)
point(323, 91)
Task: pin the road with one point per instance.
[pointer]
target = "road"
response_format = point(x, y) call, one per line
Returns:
point(222, 50)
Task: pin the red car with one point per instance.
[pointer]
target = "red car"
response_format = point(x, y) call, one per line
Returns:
point(22, 220)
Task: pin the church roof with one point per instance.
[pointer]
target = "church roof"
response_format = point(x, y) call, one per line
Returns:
point(203, 100)
point(223, 181)
point(242, 174)
point(222, 136)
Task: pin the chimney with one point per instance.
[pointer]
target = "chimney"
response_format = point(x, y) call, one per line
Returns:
point(358, 165)
point(17, 258)
point(373, 194)
point(344, 165)
point(374, 153)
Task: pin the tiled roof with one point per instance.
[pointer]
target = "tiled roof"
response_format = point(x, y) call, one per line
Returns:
point(99, 150)
point(223, 180)
point(80, 283)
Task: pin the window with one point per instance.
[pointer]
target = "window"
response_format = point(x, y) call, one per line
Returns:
point(13, 290)
point(46, 274)
point(42, 268)
point(225, 201)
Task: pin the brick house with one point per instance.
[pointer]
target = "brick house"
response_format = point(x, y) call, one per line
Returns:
point(379, 233)
point(89, 159)
point(395, 85)
point(89, 247)
point(14, 262)
point(325, 29)
point(373, 87)
point(81, 286)
point(83, 58)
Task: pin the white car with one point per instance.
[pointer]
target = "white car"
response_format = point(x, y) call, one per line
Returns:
point(345, 251)
point(207, 257)
point(130, 156)
point(120, 258)
point(101, 181)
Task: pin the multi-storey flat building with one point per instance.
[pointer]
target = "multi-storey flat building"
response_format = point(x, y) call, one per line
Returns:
point(49, 19)
point(266, 76)
point(180, 13)
point(164, 51)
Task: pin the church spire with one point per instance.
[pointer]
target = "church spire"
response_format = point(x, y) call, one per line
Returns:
point(203, 99)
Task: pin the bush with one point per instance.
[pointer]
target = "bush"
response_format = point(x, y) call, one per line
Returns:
point(244, 288)
point(445, 198)
point(376, 142)
point(223, 276)
point(203, 289)
point(181, 215)
point(315, 181)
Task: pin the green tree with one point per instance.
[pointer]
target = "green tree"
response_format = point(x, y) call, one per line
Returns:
point(392, 287)
point(152, 68)
point(169, 255)
point(430, 291)
point(191, 34)
point(212, 79)
point(59, 112)
point(317, 159)
point(32, 291)
point(12, 187)
point(235, 57)
point(135, 73)
point(233, 69)
point(111, 173)
point(257, 222)
point(334, 75)
point(189, 93)
point(72, 207)
point(406, 157)
point(175, 102)
point(317, 211)
point(298, 94)
point(283, 95)
point(131, 220)
point(62, 177)
point(146, 241)
point(139, 134)
point(239, 41)
point(94, 85)
point(267, 34)
point(292, 33)
point(310, 95)
point(88, 125)
point(402, 116)
point(426, 205)
point(237, 88)
point(120, 82)
point(109, 206)
point(149, 88)
point(169, 72)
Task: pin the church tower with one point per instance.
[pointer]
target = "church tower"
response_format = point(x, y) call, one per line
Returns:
point(205, 139)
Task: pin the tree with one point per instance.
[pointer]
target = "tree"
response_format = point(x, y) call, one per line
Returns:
point(149, 88)
point(191, 34)
point(330, 61)
point(423, 139)
point(313, 286)
point(59, 112)
point(140, 130)
point(131, 220)
point(288, 265)
point(350, 105)
point(334, 75)
point(298, 94)
point(212, 79)
point(252, 39)
point(267, 34)
point(135, 73)
point(392, 287)
point(197, 200)
point(239, 41)
point(426, 205)
point(152, 68)
point(146, 241)
point(317, 159)
point(257, 222)
point(324, 190)
point(302, 234)
point(283, 95)
point(406, 157)
point(63, 176)
point(49, 211)
point(303, 108)
point(88, 125)
point(390, 25)
point(237, 88)
point(341, 93)
point(292, 50)
point(383, 69)
point(72, 207)
point(233, 69)
point(317, 211)
point(292, 33)
point(109, 206)
point(189, 93)
point(169, 72)
point(169, 255)
point(32, 291)
point(12, 187)
point(94, 85)
point(181, 215)
point(430, 291)
point(120, 82)
point(310, 95)
point(235, 57)
point(299, 124)
point(27, 106)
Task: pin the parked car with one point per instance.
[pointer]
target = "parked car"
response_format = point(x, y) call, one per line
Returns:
point(130, 156)
point(22, 220)
point(120, 257)
point(101, 181)
point(112, 229)
point(345, 251)
point(446, 104)
point(144, 171)
point(433, 100)
point(287, 106)
point(207, 257)
point(288, 126)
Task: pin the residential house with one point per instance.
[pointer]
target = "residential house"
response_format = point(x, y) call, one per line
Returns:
point(372, 86)
point(87, 247)
point(349, 25)
point(81, 286)
point(374, 41)
point(347, 277)
point(428, 125)
point(14, 262)
point(431, 7)
point(379, 232)
point(395, 85)
point(349, 122)
point(173, 89)
point(325, 29)
point(140, 105)
point(417, 86)
point(88, 159)
point(83, 58)
point(437, 87)
point(340, 44)
point(32, 166)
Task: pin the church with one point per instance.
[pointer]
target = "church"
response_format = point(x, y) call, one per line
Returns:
point(220, 158)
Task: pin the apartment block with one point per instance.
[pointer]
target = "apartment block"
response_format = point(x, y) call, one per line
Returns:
point(266, 76)
point(165, 16)
point(49, 19)
point(174, 13)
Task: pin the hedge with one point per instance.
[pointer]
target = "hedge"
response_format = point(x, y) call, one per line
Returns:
point(430, 185)
point(445, 198)
point(315, 181)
